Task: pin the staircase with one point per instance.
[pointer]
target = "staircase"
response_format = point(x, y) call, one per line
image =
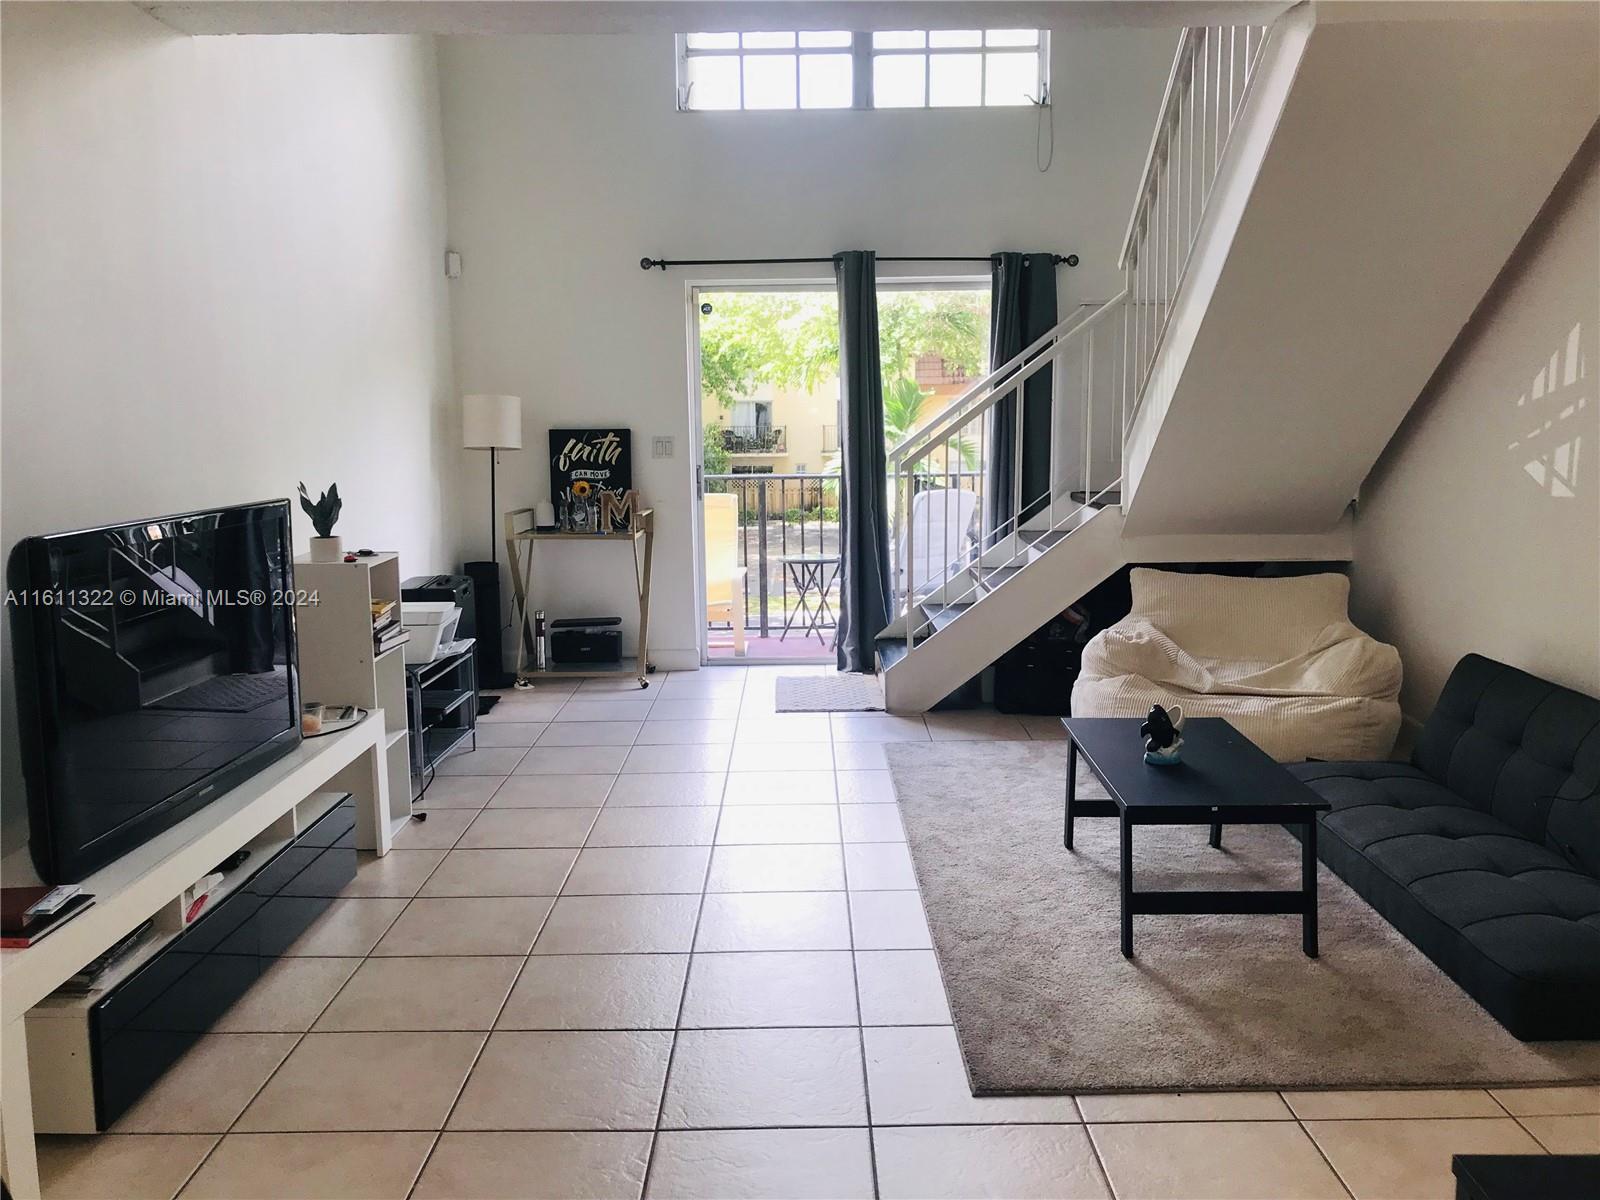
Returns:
point(1227, 403)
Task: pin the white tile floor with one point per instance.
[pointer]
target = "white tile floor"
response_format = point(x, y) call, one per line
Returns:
point(669, 944)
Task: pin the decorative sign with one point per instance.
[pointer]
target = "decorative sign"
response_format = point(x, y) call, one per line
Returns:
point(586, 464)
point(601, 457)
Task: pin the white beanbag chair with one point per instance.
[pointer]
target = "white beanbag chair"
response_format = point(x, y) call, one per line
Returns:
point(1278, 658)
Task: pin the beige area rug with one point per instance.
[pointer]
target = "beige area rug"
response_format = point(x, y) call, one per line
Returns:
point(829, 693)
point(1027, 940)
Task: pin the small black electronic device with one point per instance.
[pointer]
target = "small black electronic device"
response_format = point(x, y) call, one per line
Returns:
point(584, 640)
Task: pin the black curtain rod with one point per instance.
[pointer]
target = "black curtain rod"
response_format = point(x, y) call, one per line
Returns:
point(1070, 260)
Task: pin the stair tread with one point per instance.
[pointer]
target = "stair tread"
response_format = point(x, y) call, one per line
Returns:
point(995, 577)
point(1045, 538)
point(1101, 500)
point(890, 651)
point(940, 615)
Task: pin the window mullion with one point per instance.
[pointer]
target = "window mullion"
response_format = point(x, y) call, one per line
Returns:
point(861, 70)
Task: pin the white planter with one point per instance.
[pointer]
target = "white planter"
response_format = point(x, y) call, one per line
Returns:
point(328, 549)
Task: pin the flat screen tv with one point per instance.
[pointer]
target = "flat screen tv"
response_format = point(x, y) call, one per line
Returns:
point(155, 669)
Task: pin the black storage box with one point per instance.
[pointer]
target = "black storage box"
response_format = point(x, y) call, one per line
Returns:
point(584, 644)
point(1036, 676)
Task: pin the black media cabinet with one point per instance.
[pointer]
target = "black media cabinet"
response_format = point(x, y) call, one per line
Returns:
point(106, 1049)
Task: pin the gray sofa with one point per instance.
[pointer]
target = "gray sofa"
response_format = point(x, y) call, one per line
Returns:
point(1484, 850)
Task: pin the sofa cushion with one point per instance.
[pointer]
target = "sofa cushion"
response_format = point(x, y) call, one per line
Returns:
point(1509, 918)
point(1523, 749)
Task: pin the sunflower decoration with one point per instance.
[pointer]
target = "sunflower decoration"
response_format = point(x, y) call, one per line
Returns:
point(581, 488)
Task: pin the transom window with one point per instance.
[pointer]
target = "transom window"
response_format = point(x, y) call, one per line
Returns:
point(899, 68)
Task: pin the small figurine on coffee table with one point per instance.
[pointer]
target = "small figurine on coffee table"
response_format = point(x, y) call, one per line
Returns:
point(1163, 736)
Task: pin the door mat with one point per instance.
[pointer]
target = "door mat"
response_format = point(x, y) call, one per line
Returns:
point(830, 693)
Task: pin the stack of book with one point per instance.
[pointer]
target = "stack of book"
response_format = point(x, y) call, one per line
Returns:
point(86, 979)
point(29, 913)
point(387, 632)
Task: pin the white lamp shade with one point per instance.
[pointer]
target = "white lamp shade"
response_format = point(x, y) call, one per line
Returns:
point(491, 422)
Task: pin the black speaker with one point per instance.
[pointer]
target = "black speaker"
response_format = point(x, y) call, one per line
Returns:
point(485, 578)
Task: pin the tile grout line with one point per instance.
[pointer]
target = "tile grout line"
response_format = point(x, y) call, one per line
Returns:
point(855, 979)
point(694, 936)
point(1094, 1146)
point(1316, 1145)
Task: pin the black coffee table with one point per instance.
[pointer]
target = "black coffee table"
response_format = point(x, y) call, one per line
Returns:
point(1224, 779)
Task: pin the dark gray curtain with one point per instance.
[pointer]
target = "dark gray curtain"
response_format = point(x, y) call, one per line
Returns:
point(1022, 308)
point(864, 466)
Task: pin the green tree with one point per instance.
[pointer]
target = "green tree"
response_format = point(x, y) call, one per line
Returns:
point(714, 456)
point(951, 324)
point(903, 403)
point(791, 339)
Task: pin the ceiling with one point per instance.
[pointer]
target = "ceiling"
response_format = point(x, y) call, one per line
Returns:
point(645, 16)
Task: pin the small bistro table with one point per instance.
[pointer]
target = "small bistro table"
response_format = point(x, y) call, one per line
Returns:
point(1224, 779)
point(811, 573)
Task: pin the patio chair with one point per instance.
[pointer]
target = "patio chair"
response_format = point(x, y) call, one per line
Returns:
point(940, 528)
point(725, 578)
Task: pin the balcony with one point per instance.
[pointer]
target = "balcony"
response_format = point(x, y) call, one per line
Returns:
point(780, 517)
point(753, 439)
point(783, 518)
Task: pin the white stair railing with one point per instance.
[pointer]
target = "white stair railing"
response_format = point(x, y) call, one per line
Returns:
point(1099, 358)
point(1211, 78)
point(949, 550)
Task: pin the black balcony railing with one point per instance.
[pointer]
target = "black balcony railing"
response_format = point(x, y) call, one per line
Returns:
point(780, 516)
point(753, 439)
point(793, 515)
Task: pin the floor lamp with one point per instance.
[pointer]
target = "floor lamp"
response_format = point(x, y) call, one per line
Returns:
point(492, 423)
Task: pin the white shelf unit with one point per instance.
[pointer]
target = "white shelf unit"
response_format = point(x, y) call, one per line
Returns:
point(337, 662)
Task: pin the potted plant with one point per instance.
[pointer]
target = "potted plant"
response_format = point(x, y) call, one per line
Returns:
point(325, 547)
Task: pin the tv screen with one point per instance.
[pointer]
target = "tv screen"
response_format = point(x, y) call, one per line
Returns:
point(155, 668)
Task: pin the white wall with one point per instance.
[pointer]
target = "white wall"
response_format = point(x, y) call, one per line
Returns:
point(567, 163)
point(223, 274)
point(1479, 527)
point(1407, 161)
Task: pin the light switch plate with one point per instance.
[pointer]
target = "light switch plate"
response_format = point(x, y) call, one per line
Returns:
point(661, 447)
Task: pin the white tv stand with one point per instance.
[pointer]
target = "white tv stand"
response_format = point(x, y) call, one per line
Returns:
point(149, 879)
